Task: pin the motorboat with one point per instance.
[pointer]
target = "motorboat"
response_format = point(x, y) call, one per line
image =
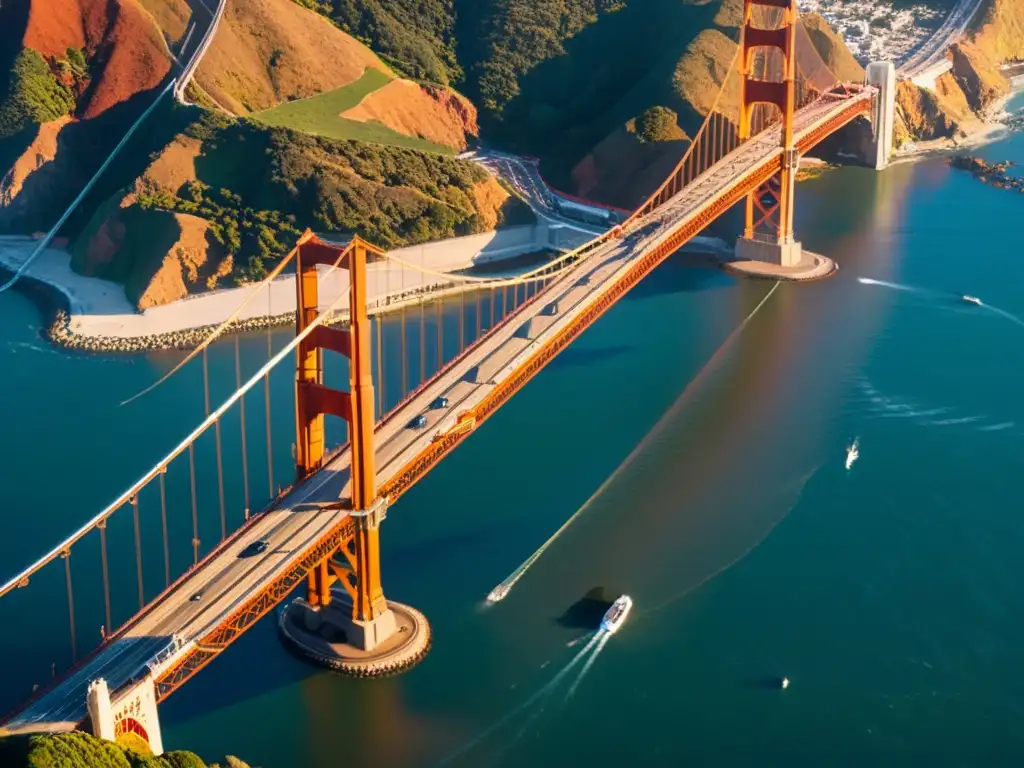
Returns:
point(615, 616)
point(852, 453)
point(498, 593)
point(971, 299)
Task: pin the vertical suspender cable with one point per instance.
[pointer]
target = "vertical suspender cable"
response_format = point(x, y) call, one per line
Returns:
point(266, 400)
point(241, 418)
point(380, 363)
point(440, 334)
point(195, 507)
point(163, 525)
point(138, 551)
point(217, 444)
point(462, 320)
point(108, 628)
point(71, 605)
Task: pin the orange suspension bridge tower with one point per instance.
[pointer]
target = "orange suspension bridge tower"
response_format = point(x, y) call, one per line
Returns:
point(768, 38)
point(366, 634)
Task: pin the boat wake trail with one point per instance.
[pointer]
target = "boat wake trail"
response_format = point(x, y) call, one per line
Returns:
point(1003, 313)
point(605, 637)
point(500, 592)
point(943, 295)
point(894, 286)
point(537, 697)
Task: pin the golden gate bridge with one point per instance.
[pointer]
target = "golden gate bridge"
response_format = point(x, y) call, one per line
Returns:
point(776, 102)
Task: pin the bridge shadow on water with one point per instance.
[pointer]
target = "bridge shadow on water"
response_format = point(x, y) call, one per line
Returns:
point(573, 357)
point(681, 273)
point(255, 665)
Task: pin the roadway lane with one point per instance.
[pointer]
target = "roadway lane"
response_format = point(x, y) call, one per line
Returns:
point(934, 48)
point(226, 582)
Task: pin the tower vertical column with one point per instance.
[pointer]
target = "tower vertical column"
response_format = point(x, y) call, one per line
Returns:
point(309, 422)
point(777, 245)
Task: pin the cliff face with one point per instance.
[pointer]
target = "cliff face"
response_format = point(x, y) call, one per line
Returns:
point(952, 108)
point(977, 73)
point(1001, 33)
point(32, 176)
point(926, 114)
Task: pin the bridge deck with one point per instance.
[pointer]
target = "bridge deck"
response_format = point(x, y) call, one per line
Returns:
point(229, 584)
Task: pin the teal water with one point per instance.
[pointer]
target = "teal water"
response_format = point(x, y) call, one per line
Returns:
point(890, 595)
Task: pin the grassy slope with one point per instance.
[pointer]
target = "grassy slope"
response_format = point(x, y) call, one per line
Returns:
point(320, 115)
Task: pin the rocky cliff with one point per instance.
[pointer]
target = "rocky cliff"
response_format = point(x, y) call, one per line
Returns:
point(960, 98)
point(1001, 31)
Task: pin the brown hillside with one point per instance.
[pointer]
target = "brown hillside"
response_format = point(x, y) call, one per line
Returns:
point(32, 175)
point(172, 16)
point(621, 170)
point(442, 116)
point(270, 51)
point(1001, 33)
point(833, 51)
point(119, 34)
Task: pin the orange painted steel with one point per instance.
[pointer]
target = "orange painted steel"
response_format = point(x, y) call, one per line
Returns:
point(313, 401)
point(755, 91)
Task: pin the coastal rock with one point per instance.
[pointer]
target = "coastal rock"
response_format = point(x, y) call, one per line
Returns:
point(993, 174)
point(977, 73)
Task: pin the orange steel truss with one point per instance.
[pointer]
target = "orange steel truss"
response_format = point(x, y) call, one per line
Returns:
point(781, 94)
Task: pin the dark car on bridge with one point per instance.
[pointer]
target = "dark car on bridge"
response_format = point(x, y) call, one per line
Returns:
point(256, 548)
point(419, 422)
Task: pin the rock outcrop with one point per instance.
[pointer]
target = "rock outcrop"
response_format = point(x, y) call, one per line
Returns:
point(977, 73)
point(34, 175)
point(925, 114)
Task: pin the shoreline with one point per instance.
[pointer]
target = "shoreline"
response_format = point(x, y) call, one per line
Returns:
point(76, 309)
point(993, 128)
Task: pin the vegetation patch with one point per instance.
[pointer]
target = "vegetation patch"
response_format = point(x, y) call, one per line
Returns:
point(82, 750)
point(321, 116)
point(37, 93)
point(415, 37)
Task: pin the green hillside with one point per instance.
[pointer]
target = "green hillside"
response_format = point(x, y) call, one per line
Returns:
point(321, 116)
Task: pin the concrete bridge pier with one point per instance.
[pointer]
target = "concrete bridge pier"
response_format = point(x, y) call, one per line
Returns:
point(128, 715)
point(882, 75)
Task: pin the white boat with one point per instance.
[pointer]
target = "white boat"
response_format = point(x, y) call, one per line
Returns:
point(615, 616)
point(498, 593)
point(852, 453)
point(972, 299)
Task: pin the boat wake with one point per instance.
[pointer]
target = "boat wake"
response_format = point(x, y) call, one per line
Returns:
point(500, 592)
point(539, 697)
point(896, 408)
point(894, 286)
point(605, 637)
point(963, 298)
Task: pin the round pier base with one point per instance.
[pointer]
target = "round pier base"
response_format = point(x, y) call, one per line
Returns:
point(320, 636)
point(814, 266)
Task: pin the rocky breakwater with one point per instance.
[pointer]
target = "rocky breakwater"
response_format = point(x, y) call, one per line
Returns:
point(60, 333)
point(994, 174)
